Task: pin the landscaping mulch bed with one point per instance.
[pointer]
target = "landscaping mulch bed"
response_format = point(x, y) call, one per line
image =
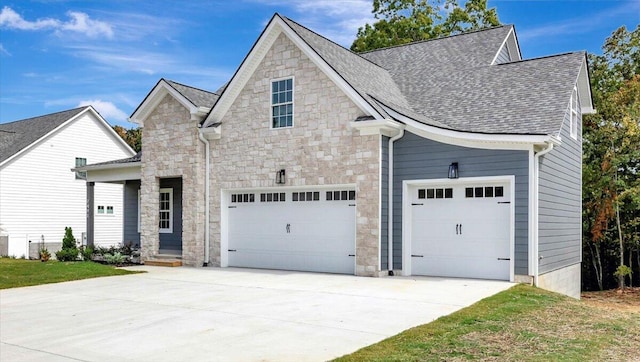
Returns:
point(627, 300)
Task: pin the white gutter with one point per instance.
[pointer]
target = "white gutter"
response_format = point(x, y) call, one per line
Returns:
point(536, 176)
point(390, 202)
point(206, 195)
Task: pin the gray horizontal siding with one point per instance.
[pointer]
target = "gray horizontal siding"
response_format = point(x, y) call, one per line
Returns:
point(503, 56)
point(384, 204)
point(560, 202)
point(419, 158)
point(130, 217)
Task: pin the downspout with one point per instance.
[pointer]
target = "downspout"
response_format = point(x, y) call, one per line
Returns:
point(206, 195)
point(536, 176)
point(390, 202)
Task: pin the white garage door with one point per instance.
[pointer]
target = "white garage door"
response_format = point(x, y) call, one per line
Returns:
point(308, 230)
point(461, 231)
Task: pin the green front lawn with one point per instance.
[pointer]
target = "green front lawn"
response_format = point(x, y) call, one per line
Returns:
point(520, 324)
point(21, 273)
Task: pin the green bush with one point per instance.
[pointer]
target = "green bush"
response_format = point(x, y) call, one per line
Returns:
point(68, 241)
point(87, 253)
point(67, 254)
point(115, 258)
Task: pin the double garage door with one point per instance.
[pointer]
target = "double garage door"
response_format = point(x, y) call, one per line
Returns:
point(307, 230)
point(461, 230)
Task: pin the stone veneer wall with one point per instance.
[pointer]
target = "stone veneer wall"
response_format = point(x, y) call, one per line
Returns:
point(321, 148)
point(172, 149)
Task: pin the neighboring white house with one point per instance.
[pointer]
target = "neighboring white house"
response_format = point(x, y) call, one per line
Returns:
point(40, 195)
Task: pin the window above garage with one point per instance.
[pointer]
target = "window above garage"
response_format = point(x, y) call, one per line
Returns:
point(282, 103)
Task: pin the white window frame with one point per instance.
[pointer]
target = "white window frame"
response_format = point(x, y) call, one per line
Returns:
point(271, 104)
point(168, 230)
point(101, 207)
point(573, 105)
point(112, 210)
point(81, 175)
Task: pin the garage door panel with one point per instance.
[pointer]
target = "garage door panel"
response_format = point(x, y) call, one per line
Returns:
point(317, 235)
point(463, 233)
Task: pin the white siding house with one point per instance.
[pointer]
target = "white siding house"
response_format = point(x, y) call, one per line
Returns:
point(40, 195)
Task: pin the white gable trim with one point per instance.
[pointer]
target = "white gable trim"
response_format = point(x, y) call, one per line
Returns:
point(88, 109)
point(468, 139)
point(275, 27)
point(155, 97)
point(584, 89)
point(511, 42)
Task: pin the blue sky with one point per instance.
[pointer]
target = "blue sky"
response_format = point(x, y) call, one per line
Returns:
point(60, 54)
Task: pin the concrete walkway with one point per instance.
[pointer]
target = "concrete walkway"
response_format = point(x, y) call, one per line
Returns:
point(212, 314)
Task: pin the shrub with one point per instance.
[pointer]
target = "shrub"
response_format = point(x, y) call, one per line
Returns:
point(115, 258)
point(67, 254)
point(45, 255)
point(86, 253)
point(68, 241)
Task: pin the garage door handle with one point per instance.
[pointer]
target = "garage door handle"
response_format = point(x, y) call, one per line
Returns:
point(504, 258)
point(504, 202)
point(416, 204)
point(352, 254)
point(288, 228)
point(417, 256)
point(458, 229)
point(232, 250)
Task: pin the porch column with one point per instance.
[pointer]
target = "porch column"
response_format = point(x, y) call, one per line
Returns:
point(90, 213)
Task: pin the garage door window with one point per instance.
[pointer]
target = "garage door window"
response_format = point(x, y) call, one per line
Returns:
point(306, 196)
point(341, 195)
point(273, 197)
point(436, 193)
point(484, 192)
point(237, 198)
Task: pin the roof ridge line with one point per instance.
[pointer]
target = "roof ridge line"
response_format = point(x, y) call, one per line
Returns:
point(188, 86)
point(48, 114)
point(333, 42)
point(581, 52)
point(438, 38)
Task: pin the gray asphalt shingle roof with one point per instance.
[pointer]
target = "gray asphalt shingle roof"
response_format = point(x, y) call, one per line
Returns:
point(450, 82)
point(17, 135)
point(135, 158)
point(199, 97)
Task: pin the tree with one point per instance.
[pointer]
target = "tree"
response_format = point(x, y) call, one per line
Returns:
point(404, 21)
point(133, 136)
point(69, 250)
point(611, 158)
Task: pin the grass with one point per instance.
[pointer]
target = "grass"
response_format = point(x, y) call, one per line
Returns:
point(16, 273)
point(520, 324)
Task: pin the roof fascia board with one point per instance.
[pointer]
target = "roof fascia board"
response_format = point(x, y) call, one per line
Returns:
point(468, 139)
point(275, 27)
point(154, 98)
point(111, 166)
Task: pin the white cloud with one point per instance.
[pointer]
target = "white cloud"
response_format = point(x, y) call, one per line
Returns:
point(3, 50)
point(336, 20)
point(108, 110)
point(78, 23)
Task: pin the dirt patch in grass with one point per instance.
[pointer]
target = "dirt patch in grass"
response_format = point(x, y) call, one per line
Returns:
point(627, 300)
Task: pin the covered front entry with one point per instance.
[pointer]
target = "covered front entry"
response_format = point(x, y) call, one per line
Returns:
point(170, 216)
point(304, 229)
point(460, 228)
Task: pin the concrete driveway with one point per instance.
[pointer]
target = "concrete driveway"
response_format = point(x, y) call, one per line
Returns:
point(186, 314)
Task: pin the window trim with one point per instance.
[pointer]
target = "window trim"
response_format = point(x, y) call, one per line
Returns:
point(573, 105)
point(81, 175)
point(170, 229)
point(271, 104)
point(100, 207)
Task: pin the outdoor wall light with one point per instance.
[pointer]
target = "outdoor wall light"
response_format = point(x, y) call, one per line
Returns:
point(280, 179)
point(453, 170)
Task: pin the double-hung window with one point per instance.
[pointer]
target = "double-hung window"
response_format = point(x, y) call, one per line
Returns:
point(282, 103)
point(574, 113)
point(166, 211)
point(81, 175)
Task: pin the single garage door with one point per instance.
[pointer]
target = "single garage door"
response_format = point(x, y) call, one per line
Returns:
point(308, 230)
point(461, 230)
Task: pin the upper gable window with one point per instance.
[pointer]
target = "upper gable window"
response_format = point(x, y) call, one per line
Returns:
point(81, 175)
point(282, 103)
point(574, 113)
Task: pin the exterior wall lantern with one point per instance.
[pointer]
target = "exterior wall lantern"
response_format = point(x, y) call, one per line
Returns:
point(280, 177)
point(453, 170)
